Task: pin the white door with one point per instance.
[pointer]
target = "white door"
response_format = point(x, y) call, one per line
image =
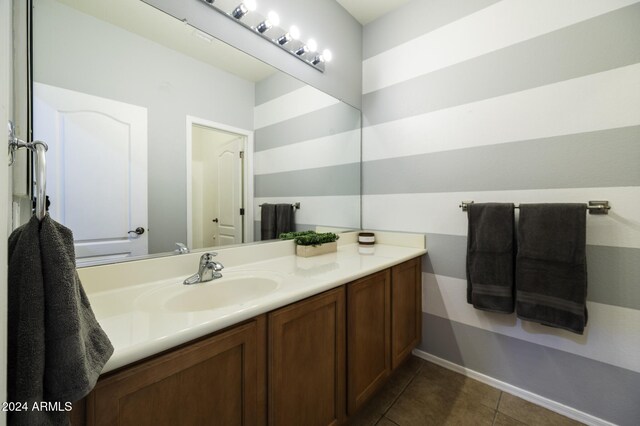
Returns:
point(105, 142)
point(228, 220)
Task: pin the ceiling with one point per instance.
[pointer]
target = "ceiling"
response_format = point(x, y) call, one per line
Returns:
point(366, 11)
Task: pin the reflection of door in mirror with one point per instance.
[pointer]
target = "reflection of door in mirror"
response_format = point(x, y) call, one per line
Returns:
point(216, 187)
point(97, 170)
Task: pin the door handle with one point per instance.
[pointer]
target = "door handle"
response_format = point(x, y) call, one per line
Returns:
point(215, 220)
point(138, 231)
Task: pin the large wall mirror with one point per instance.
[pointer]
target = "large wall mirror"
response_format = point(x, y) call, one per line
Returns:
point(160, 134)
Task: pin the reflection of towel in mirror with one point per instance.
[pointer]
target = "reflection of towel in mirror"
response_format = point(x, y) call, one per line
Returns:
point(551, 265)
point(490, 257)
point(268, 222)
point(56, 348)
point(276, 219)
point(284, 219)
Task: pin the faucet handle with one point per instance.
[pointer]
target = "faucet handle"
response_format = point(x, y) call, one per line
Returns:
point(207, 257)
point(181, 248)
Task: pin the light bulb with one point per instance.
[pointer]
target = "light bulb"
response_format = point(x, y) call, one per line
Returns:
point(273, 18)
point(312, 45)
point(327, 55)
point(250, 5)
point(294, 32)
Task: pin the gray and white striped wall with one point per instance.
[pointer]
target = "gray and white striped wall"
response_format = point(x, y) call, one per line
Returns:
point(307, 150)
point(514, 101)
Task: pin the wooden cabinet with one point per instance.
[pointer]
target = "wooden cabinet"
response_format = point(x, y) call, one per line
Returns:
point(406, 309)
point(368, 337)
point(321, 356)
point(384, 318)
point(219, 380)
point(307, 361)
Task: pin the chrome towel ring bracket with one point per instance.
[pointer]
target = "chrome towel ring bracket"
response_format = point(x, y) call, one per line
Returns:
point(40, 171)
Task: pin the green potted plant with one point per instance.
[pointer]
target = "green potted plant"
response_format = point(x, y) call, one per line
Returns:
point(311, 243)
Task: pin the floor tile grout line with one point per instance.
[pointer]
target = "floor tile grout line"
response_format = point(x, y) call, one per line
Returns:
point(499, 399)
point(495, 415)
point(400, 394)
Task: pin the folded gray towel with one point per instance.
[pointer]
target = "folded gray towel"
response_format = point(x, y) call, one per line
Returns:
point(268, 222)
point(551, 265)
point(58, 354)
point(490, 257)
point(284, 219)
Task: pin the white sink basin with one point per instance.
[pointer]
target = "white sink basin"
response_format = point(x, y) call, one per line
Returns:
point(234, 288)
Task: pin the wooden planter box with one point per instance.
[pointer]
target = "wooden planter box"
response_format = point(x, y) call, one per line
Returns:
point(308, 251)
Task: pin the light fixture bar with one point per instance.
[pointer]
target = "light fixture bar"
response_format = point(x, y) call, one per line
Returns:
point(270, 30)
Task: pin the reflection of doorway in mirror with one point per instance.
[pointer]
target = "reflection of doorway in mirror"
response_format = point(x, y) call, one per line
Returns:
point(217, 187)
point(96, 170)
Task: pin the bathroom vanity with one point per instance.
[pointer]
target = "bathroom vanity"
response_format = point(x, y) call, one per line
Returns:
point(312, 351)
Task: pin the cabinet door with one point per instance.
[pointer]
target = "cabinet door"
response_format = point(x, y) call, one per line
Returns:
point(368, 337)
point(406, 309)
point(216, 381)
point(307, 362)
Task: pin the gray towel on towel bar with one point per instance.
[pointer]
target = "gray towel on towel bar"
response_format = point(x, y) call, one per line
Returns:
point(56, 348)
point(490, 257)
point(551, 266)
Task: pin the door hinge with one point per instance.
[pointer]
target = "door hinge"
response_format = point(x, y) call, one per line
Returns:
point(241, 211)
point(241, 154)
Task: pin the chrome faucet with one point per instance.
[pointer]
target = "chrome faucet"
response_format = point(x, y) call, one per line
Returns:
point(208, 270)
point(182, 249)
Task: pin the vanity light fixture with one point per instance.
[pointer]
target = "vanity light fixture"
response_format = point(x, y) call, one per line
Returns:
point(272, 19)
point(243, 8)
point(325, 56)
point(268, 28)
point(292, 34)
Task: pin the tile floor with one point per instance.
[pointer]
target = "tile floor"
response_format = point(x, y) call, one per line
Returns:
point(421, 393)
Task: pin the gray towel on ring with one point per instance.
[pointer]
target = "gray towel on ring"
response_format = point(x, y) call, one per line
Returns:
point(56, 348)
point(490, 257)
point(551, 265)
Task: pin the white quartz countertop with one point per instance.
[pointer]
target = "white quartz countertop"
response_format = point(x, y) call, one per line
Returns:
point(141, 323)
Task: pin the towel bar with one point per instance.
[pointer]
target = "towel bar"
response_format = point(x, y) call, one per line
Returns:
point(594, 207)
point(294, 205)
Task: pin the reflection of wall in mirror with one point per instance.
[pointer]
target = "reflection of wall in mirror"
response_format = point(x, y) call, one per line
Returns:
point(307, 150)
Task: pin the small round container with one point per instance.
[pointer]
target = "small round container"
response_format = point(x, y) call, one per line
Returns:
point(366, 238)
point(366, 242)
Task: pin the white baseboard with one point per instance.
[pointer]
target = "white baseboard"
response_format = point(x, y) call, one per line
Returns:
point(521, 393)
